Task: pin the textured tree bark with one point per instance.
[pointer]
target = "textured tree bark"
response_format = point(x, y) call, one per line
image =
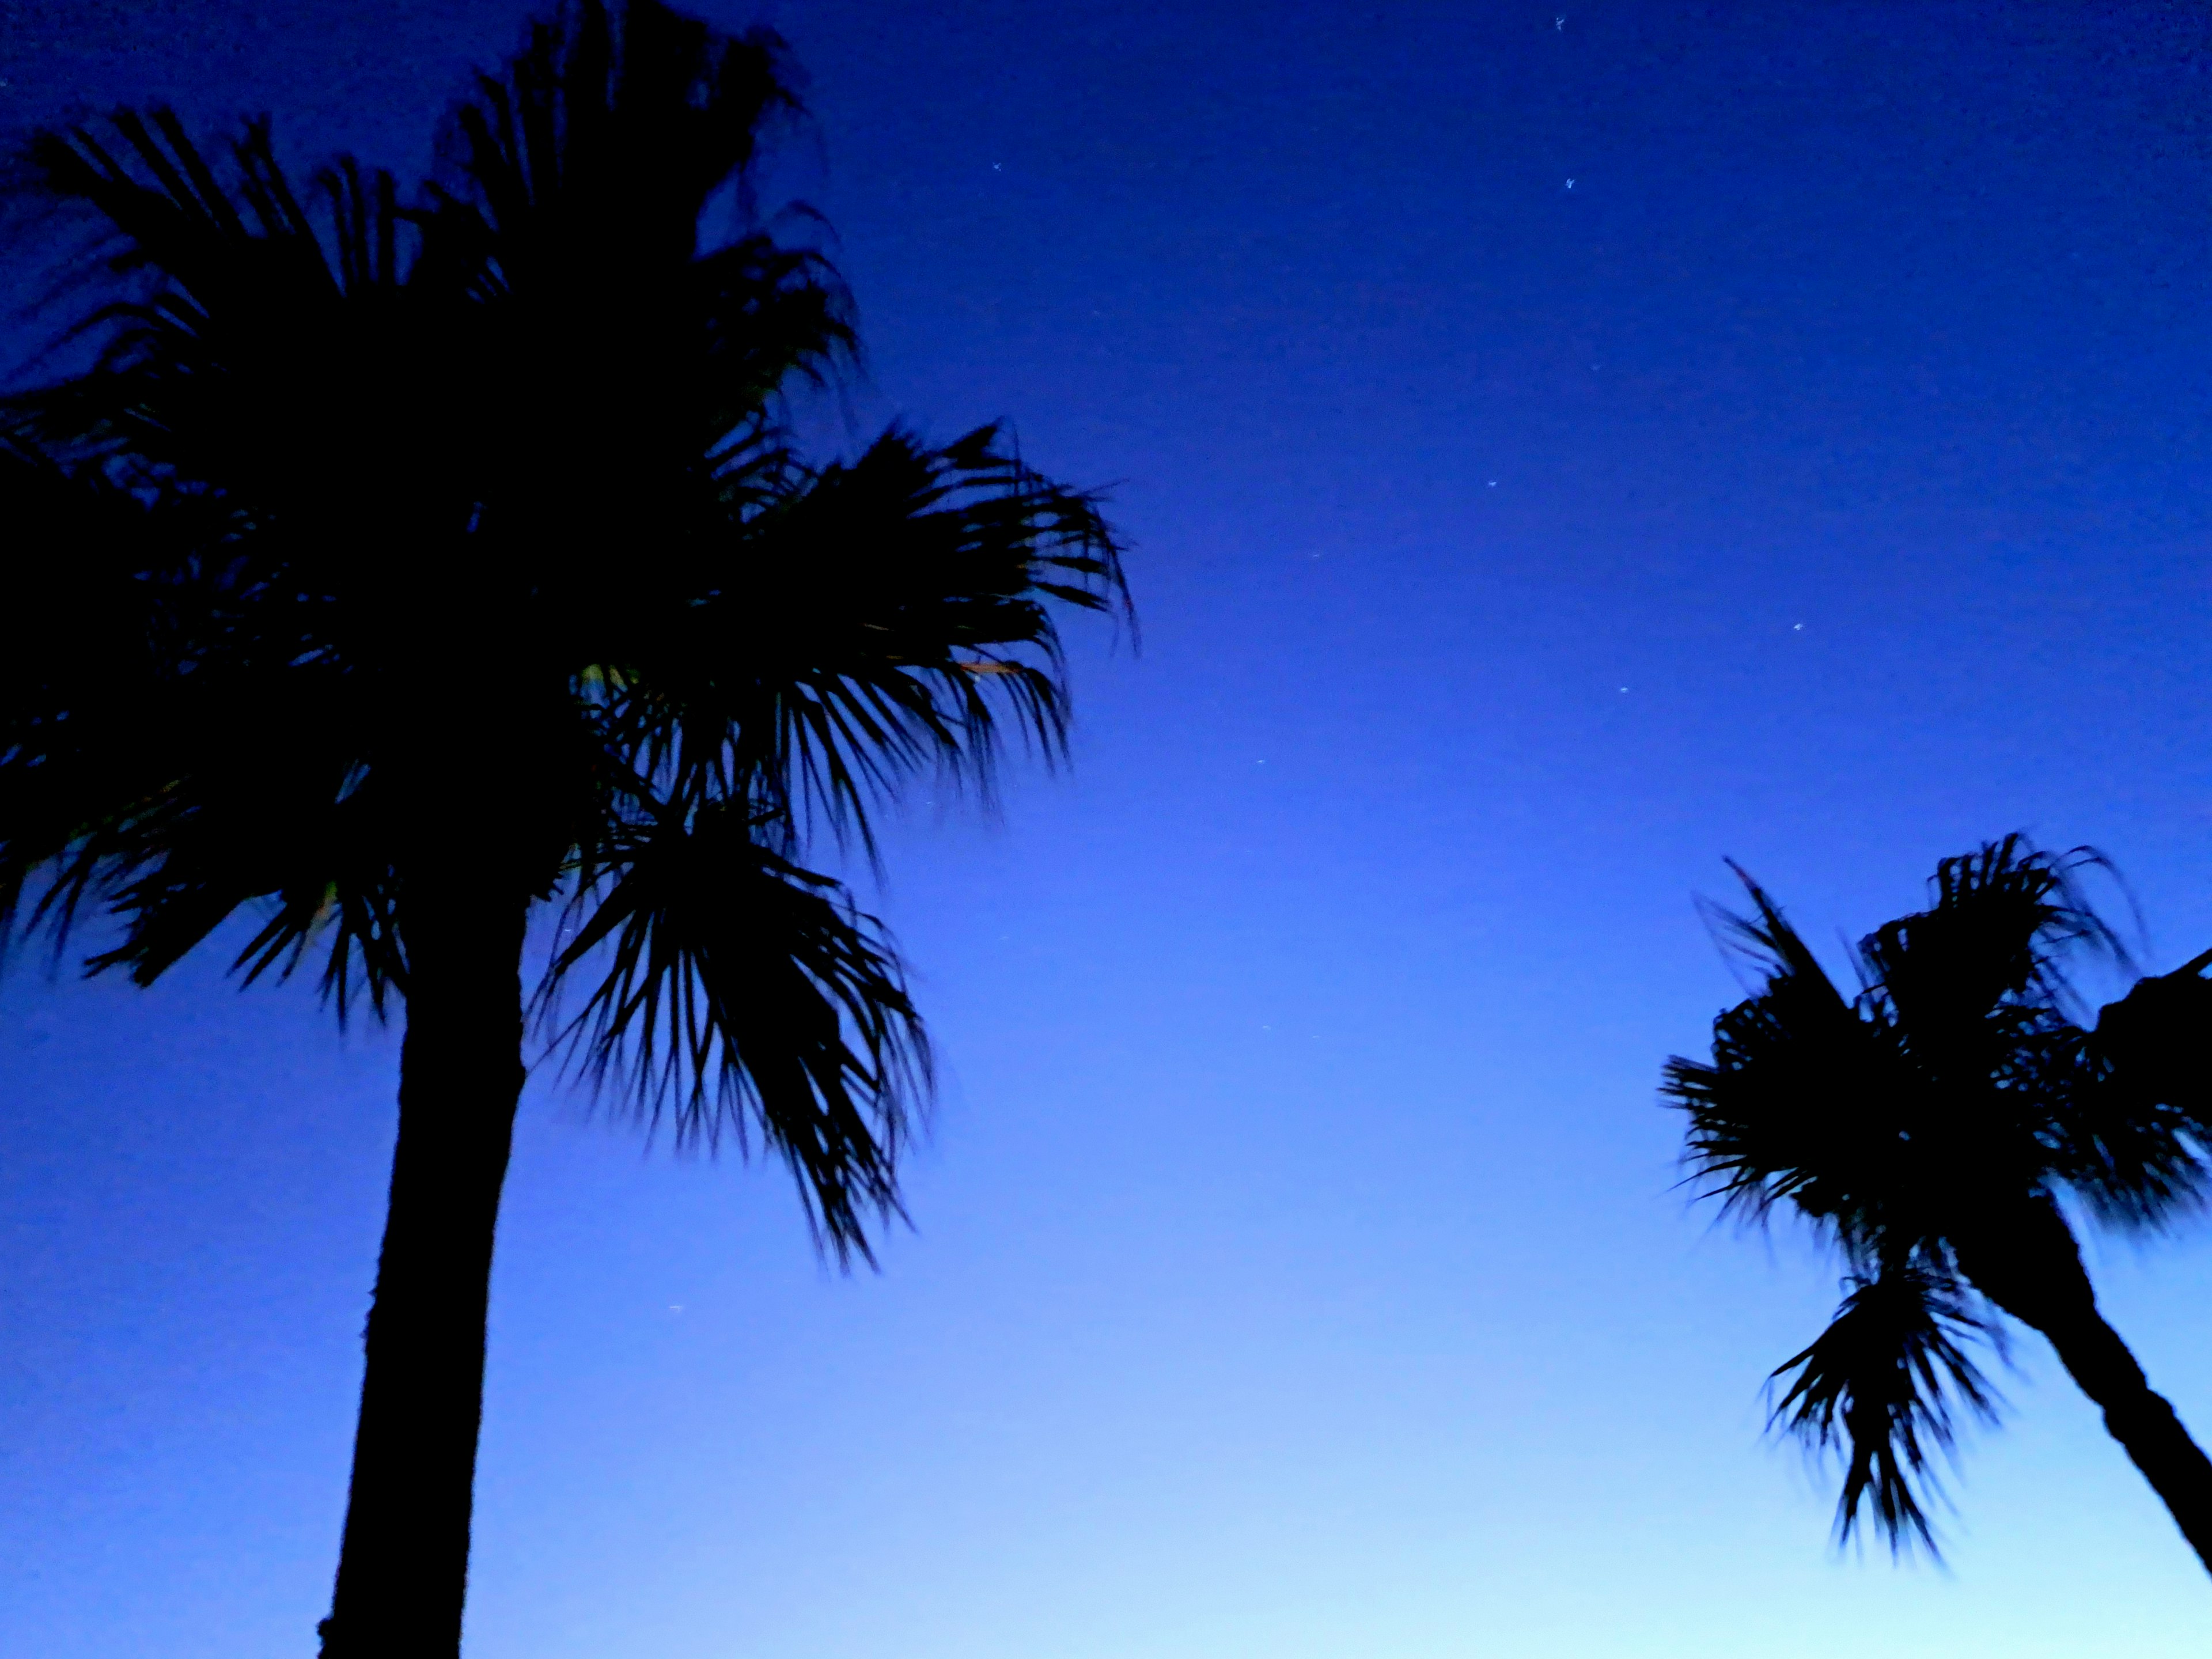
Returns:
point(403, 1565)
point(2031, 1268)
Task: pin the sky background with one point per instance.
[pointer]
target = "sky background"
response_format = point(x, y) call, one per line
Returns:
point(1297, 1269)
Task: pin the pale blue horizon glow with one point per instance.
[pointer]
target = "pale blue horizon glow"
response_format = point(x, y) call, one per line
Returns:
point(1297, 1268)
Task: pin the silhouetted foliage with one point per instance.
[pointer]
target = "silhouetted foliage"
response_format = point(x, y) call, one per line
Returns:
point(1878, 1384)
point(396, 568)
point(1931, 1127)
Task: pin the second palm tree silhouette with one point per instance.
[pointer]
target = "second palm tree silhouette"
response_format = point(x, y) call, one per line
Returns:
point(1933, 1126)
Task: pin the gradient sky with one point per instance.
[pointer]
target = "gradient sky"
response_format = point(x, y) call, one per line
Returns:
point(1821, 480)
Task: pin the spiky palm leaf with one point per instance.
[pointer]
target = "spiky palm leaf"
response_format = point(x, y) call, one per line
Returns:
point(1880, 1385)
point(2131, 1138)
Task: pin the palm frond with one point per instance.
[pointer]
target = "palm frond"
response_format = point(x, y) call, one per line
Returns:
point(169, 852)
point(740, 995)
point(2132, 1100)
point(1883, 1384)
point(249, 334)
point(591, 163)
point(2004, 925)
point(147, 774)
point(874, 617)
point(1800, 1101)
point(2154, 1041)
point(83, 643)
point(210, 234)
point(631, 117)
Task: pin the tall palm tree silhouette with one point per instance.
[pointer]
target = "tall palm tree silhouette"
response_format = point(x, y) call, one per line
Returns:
point(1933, 1127)
point(402, 573)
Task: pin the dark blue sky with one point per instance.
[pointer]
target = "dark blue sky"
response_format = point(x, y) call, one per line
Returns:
point(1821, 480)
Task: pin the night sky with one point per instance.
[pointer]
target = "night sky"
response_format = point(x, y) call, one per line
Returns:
point(1560, 451)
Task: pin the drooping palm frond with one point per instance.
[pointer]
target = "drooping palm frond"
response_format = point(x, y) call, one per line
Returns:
point(876, 616)
point(740, 995)
point(201, 796)
point(2153, 1042)
point(1883, 1384)
point(180, 738)
point(2131, 1134)
point(1801, 1100)
point(82, 635)
point(225, 286)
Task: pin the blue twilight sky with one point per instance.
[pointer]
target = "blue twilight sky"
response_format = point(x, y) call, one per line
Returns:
point(1563, 445)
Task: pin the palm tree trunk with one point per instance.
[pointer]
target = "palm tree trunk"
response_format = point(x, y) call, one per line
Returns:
point(2031, 1268)
point(403, 1565)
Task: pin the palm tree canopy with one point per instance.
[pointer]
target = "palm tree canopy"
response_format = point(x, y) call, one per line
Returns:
point(391, 547)
point(1958, 1095)
point(1958, 1066)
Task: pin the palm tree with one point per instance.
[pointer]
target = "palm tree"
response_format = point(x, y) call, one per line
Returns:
point(1943, 1128)
point(403, 573)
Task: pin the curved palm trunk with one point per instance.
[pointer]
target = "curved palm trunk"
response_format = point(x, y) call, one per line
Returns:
point(2031, 1268)
point(403, 1566)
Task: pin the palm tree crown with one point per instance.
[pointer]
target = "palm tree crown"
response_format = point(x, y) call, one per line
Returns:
point(397, 569)
point(1939, 1127)
point(471, 535)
